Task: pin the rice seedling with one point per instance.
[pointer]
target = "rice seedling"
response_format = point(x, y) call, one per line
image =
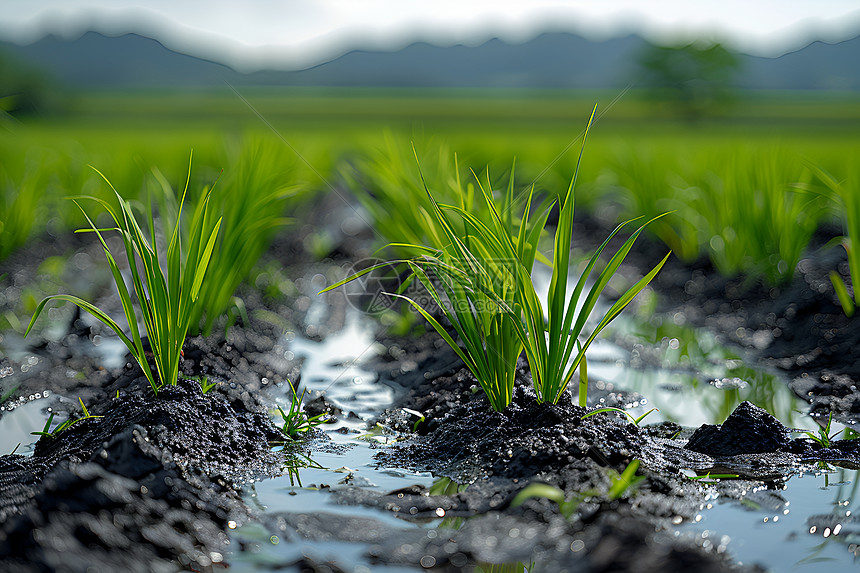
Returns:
point(620, 484)
point(389, 191)
point(739, 207)
point(166, 300)
point(843, 196)
point(760, 224)
point(20, 203)
point(484, 273)
point(567, 507)
point(470, 280)
point(624, 483)
point(252, 212)
point(632, 418)
point(205, 384)
point(650, 186)
point(398, 186)
point(553, 348)
point(46, 431)
point(446, 486)
point(296, 423)
point(824, 437)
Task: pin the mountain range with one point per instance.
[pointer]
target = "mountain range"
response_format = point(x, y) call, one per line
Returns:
point(553, 60)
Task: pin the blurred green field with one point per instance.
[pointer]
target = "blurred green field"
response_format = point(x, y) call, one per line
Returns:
point(747, 186)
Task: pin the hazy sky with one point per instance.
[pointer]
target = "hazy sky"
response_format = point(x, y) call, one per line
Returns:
point(304, 32)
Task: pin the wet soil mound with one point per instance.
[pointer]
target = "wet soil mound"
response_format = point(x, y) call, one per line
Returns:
point(463, 438)
point(748, 430)
point(147, 487)
point(498, 453)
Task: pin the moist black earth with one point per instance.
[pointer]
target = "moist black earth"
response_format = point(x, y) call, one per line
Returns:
point(150, 482)
point(155, 483)
point(492, 456)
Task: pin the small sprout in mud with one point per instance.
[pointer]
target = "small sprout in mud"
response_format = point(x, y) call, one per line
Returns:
point(380, 434)
point(708, 477)
point(627, 480)
point(418, 416)
point(205, 384)
point(566, 507)
point(824, 437)
point(16, 447)
point(296, 421)
point(67, 424)
point(622, 483)
point(633, 419)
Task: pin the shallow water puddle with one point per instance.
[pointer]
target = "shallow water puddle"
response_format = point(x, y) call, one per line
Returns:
point(697, 382)
point(684, 372)
point(262, 552)
point(813, 522)
point(334, 366)
point(18, 421)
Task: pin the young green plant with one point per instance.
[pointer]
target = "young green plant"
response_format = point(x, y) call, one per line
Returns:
point(296, 422)
point(632, 418)
point(553, 348)
point(167, 300)
point(484, 272)
point(567, 507)
point(46, 431)
point(622, 483)
point(845, 197)
point(264, 184)
point(824, 437)
point(471, 281)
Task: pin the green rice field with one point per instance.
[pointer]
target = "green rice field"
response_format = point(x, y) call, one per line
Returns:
point(747, 188)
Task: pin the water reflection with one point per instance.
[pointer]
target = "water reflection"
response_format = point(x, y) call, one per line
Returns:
point(841, 526)
point(689, 376)
point(295, 462)
point(334, 366)
point(810, 520)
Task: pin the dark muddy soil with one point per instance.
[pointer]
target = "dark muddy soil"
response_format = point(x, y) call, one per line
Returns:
point(151, 481)
point(155, 484)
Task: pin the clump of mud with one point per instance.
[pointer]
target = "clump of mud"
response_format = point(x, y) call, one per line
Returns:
point(149, 486)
